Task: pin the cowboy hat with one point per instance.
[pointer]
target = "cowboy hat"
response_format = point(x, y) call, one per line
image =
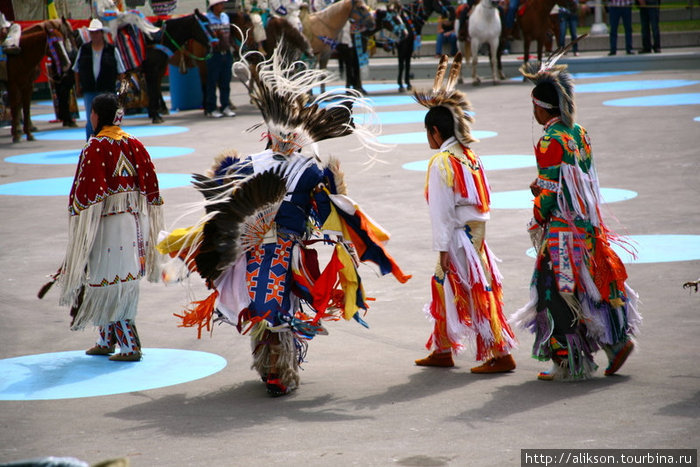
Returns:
point(95, 25)
point(215, 2)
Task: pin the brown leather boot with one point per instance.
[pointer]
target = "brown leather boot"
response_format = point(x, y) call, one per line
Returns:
point(441, 359)
point(496, 365)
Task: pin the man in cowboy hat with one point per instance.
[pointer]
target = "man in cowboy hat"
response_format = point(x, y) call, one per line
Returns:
point(97, 68)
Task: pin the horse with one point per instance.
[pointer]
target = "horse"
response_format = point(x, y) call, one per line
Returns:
point(35, 42)
point(388, 20)
point(534, 22)
point(323, 28)
point(414, 17)
point(173, 37)
point(352, 58)
point(485, 27)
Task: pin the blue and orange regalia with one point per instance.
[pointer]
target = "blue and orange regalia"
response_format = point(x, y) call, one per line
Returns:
point(266, 214)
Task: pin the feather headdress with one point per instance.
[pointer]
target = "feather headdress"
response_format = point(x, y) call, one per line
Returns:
point(294, 120)
point(559, 77)
point(445, 95)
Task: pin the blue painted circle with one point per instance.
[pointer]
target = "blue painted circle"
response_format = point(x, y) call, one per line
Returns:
point(653, 101)
point(61, 186)
point(393, 118)
point(166, 98)
point(73, 134)
point(592, 75)
point(369, 87)
point(642, 85)
point(382, 101)
point(419, 137)
point(522, 199)
point(52, 117)
point(70, 156)
point(501, 162)
point(697, 119)
point(72, 374)
point(81, 118)
point(656, 249)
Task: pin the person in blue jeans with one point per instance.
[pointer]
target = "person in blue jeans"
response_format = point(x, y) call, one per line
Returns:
point(568, 19)
point(446, 34)
point(219, 64)
point(620, 10)
point(510, 17)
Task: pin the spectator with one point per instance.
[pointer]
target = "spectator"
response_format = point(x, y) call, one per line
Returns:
point(219, 64)
point(446, 33)
point(620, 10)
point(649, 19)
point(97, 68)
point(568, 19)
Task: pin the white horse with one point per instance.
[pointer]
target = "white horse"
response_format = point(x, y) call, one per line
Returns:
point(485, 28)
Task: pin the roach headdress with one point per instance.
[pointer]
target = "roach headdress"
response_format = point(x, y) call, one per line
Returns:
point(294, 120)
point(559, 77)
point(445, 95)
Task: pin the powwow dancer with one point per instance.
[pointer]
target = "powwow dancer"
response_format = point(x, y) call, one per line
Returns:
point(580, 300)
point(115, 216)
point(264, 211)
point(466, 290)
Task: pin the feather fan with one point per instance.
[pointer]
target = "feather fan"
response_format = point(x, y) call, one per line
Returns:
point(237, 219)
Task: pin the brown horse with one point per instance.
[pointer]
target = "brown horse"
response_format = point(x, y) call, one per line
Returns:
point(535, 23)
point(35, 42)
point(322, 29)
point(295, 43)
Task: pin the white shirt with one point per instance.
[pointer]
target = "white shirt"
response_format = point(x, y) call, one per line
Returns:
point(449, 211)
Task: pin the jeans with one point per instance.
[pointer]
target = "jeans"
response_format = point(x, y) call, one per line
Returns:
point(570, 20)
point(649, 19)
point(219, 75)
point(510, 15)
point(450, 39)
point(87, 101)
point(616, 14)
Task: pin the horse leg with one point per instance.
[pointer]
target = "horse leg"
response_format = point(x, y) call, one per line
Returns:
point(465, 48)
point(26, 105)
point(540, 47)
point(526, 49)
point(493, 59)
point(501, 75)
point(475, 61)
point(13, 92)
point(323, 65)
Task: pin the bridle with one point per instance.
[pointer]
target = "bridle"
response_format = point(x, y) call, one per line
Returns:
point(210, 39)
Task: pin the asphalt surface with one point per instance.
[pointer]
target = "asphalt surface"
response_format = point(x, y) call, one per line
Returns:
point(361, 400)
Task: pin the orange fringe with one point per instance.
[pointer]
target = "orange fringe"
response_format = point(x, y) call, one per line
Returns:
point(199, 314)
point(608, 270)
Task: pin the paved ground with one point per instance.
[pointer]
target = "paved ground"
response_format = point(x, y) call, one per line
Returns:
point(362, 401)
